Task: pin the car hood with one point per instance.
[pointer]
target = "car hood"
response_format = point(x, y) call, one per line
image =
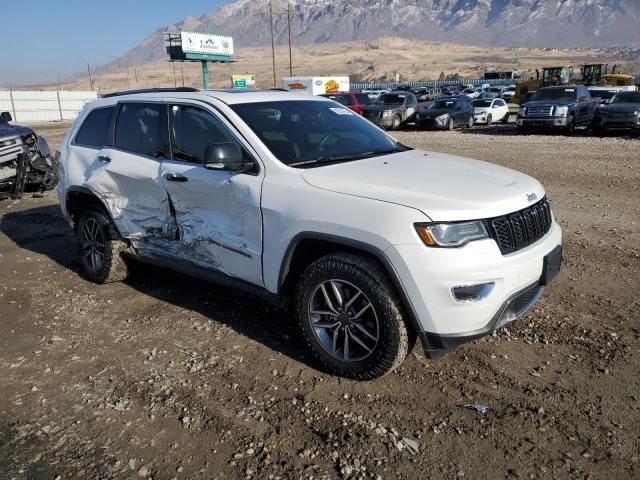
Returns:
point(434, 112)
point(382, 108)
point(622, 106)
point(9, 130)
point(560, 101)
point(443, 187)
point(481, 109)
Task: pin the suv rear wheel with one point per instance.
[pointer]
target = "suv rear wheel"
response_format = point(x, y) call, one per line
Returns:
point(101, 248)
point(351, 317)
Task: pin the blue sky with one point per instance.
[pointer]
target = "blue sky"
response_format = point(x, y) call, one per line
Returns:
point(44, 38)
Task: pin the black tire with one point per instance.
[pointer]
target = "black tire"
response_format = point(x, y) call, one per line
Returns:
point(394, 339)
point(505, 119)
point(113, 267)
point(570, 129)
point(396, 121)
point(522, 130)
point(451, 124)
point(489, 119)
point(470, 122)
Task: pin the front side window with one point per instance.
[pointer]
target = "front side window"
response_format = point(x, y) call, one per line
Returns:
point(308, 132)
point(142, 128)
point(363, 99)
point(95, 132)
point(192, 130)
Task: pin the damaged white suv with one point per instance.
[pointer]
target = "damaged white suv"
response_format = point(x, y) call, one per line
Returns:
point(297, 199)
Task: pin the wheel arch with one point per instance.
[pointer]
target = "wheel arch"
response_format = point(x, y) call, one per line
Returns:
point(307, 247)
point(78, 199)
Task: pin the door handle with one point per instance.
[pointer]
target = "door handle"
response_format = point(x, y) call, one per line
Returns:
point(173, 177)
point(104, 159)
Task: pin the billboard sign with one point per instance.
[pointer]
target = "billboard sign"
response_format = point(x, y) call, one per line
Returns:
point(243, 81)
point(206, 43)
point(316, 85)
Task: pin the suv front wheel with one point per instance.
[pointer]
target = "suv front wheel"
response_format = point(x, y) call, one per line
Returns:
point(101, 248)
point(351, 317)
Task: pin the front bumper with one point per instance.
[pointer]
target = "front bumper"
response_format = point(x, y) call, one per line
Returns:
point(428, 276)
point(548, 122)
point(437, 122)
point(619, 123)
point(379, 120)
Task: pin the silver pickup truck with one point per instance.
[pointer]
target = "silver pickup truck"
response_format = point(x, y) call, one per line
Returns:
point(394, 109)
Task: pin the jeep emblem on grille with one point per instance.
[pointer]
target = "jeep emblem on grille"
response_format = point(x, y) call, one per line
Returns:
point(531, 197)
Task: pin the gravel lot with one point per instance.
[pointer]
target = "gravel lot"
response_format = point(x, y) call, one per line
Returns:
point(169, 377)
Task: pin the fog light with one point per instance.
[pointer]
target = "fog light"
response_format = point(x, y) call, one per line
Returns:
point(472, 293)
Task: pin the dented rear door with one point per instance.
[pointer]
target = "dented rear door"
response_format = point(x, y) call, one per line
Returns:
point(126, 175)
point(217, 213)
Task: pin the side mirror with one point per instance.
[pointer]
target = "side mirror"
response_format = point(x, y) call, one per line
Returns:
point(6, 116)
point(226, 157)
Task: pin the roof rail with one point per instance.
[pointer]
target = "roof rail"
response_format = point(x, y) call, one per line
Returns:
point(149, 90)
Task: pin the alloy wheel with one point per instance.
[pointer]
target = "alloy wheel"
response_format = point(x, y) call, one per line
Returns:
point(93, 244)
point(343, 320)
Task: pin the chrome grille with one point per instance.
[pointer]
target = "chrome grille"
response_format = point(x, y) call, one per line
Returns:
point(520, 229)
point(540, 110)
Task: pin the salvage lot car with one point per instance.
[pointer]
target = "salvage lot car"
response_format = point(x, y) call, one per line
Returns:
point(621, 112)
point(392, 110)
point(490, 110)
point(25, 160)
point(559, 107)
point(447, 113)
point(353, 101)
point(289, 196)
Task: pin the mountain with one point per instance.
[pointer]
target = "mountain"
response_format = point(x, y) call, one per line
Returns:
point(530, 23)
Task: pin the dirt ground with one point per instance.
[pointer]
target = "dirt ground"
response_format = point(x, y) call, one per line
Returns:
point(169, 377)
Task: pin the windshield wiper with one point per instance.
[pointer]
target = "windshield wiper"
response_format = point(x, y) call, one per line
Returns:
point(347, 158)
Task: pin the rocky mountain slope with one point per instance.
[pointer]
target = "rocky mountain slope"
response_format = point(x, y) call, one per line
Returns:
point(540, 23)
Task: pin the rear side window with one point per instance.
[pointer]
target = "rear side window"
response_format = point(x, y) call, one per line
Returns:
point(95, 131)
point(142, 128)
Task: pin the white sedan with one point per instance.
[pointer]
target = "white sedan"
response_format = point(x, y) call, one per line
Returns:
point(490, 110)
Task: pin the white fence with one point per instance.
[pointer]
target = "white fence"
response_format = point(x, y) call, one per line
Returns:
point(44, 106)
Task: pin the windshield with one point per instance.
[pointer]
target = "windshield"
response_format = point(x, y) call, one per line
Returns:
point(390, 99)
point(481, 103)
point(444, 104)
point(626, 97)
point(310, 132)
point(554, 94)
point(602, 94)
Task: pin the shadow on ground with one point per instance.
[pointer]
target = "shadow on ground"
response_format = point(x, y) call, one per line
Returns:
point(42, 230)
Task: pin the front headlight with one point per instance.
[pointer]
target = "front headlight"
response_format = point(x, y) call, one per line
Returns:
point(451, 234)
point(442, 117)
point(522, 110)
point(386, 113)
point(561, 111)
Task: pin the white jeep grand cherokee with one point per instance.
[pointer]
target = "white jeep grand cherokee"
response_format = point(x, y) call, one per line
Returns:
point(297, 199)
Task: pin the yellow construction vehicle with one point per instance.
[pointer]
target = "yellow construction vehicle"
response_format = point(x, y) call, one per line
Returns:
point(550, 76)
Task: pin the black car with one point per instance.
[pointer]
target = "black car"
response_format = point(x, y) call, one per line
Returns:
point(25, 160)
point(447, 113)
point(621, 112)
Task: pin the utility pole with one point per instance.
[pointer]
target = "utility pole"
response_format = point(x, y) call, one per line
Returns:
point(289, 28)
point(288, 13)
point(90, 78)
point(273, 44)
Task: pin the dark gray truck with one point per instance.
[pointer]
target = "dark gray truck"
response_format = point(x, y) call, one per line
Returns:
point(25, 160)
point(394, 109)
point(557, 108)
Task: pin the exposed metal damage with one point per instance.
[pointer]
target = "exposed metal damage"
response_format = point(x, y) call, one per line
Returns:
point(25, 160)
